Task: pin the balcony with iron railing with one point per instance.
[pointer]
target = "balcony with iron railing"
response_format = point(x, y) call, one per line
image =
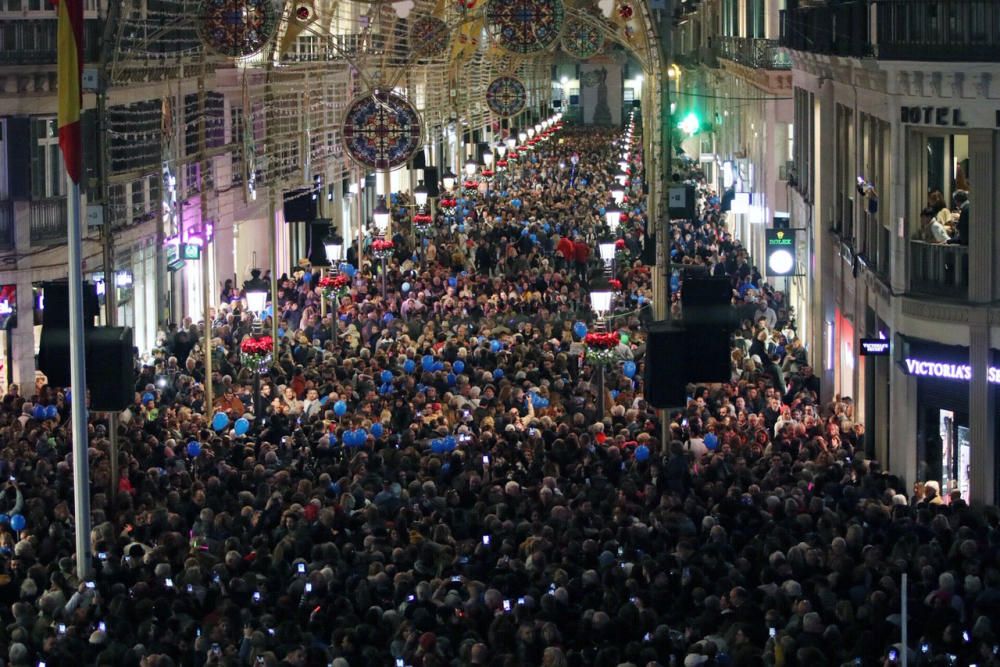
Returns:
point(752, 52)
point(33, 41)
point(6, 224)
point(47, 219)
point(928, 30)
point(939, 269)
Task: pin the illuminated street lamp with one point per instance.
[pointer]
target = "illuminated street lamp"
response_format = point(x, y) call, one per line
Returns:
point(448, 179)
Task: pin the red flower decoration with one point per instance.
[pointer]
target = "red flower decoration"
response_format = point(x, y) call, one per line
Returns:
point(604, 341)
point(449, 203)
point(382, 245)
point(422, 219)
point(620, 244)
point(615, 284)
point(262, 345)
point(501, 164)
point(335, 283)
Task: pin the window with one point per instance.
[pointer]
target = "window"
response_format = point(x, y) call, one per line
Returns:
point(236, 131)
point(48, 177)
point(804, 148)
point(847, 184)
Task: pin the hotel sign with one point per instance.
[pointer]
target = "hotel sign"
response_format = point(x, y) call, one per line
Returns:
point(944, 116)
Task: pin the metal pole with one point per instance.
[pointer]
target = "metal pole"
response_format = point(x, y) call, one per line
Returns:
point(78, 380)
point(904, 625)
point(600, 395)
point(322, 299)
point(661, 275)
point(384, 297)
point(257, 409)
point(110, 288)
point(206, 272)
point(273, 234)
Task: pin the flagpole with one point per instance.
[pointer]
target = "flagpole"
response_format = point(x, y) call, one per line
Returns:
point(78, 381)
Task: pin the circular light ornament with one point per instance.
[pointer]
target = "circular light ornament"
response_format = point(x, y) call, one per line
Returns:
point(237, 28)
point(781, 262)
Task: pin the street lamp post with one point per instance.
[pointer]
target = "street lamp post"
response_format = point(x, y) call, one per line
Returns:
point(334, 247)
point(601, 297)
point(256, 295)
point(381, 216)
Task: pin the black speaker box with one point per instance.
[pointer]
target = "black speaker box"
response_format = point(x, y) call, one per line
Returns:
point(665, 368)
point(56, 311)
point(709, 355)
point(109, 369)
point(677, 356)
point(431, 182)
point(110, 372)
point(299, 206)
point(317, 231)
point(419, 160)
point(707, 302)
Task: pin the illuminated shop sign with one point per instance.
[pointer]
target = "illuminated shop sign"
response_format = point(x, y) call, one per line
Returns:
point(946, 371)
point(874, 347)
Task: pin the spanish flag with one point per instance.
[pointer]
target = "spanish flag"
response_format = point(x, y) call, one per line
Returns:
point(69, 72)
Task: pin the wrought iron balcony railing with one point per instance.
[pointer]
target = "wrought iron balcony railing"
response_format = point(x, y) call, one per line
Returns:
point(753, 52)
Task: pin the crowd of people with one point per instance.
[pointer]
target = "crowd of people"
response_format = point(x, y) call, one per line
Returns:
point(427, 478)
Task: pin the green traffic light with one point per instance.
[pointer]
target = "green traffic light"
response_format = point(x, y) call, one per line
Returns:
point(690, 124)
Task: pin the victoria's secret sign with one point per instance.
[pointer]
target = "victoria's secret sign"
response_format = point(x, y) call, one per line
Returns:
point(941, 116)
point(947, 371)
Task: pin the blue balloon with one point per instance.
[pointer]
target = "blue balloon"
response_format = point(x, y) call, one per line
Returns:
point(385, 389)
point(438, 366)
point(524, 231)
point(323, 400)
point(711, 441)
point(39, 412)
point(614, 393)
point(386, 376)
point(4, 519)
point(388, 317)
point(450, 443)
point(641, 453)
point(377, 429)
point(194, 449)
point(241, 426)
point(147, 397)
point(452, 380)
point(340, 408)
point(51, 412)
point(534, 238)
point(459, 366)
point(409, 366)
point(495, 346)
point(628, 368)
point(580, 329)
point(406, 287)
point(498, 373)
point(17, 522)
point(453, 282)
point(220, 421)
point(428, 362)
point(438, 446)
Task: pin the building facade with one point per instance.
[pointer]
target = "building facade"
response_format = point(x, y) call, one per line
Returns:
point(897, 121)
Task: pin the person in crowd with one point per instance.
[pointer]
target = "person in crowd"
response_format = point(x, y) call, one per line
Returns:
point(438, 481)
